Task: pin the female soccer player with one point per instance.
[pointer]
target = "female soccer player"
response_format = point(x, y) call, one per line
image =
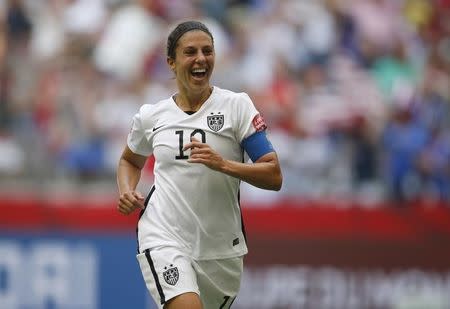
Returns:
point(190, 233)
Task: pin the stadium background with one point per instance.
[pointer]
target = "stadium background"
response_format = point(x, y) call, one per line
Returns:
point(357, 98)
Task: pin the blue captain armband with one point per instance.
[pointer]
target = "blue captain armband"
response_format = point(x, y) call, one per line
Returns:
point(257, 145)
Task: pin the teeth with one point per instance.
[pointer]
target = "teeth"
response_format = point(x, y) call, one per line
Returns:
point(198, 70)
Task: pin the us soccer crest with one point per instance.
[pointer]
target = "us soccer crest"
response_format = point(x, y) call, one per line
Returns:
point(171, 275)
point(215, 122)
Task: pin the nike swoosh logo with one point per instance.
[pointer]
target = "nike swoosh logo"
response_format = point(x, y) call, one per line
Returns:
point(156, 128)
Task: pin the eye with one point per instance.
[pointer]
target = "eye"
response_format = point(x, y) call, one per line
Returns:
point(189, 51)
point(208, 51)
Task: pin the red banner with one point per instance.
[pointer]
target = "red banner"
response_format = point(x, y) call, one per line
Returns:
point(301, 255)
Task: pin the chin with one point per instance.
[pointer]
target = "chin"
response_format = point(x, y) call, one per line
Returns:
point(199, 86)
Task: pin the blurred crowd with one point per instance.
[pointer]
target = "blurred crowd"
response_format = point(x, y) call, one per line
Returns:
point(356, 94)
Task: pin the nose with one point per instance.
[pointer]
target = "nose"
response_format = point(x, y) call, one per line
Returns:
point(200, 57)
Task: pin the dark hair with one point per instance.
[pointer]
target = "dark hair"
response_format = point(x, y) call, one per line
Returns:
point(181, 29)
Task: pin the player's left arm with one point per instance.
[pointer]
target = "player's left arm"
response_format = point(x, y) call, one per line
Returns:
point(264, 172)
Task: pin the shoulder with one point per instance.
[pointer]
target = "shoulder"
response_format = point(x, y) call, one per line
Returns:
point(234, 97)
point(149, 113)
point(148, 109)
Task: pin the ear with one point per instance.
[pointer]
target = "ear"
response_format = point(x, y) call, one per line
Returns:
point(171, 63)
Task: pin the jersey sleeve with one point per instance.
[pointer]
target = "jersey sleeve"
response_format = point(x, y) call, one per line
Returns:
point(249, 121)
point(137, 139)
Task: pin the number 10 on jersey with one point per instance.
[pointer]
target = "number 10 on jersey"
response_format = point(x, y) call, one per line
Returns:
point(180, 133)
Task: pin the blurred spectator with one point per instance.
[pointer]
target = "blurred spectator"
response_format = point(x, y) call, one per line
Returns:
point(18, 21)
point(432, 111)
point(130, 35)
point(394, 71)
point(434, 166)
point(85, 16)
point(315, 26)
point(404, 140)
point(3, 75)
point(377, 23)
point(49, 37)
point(356, 94)
point(418, 12)
point(278, 101)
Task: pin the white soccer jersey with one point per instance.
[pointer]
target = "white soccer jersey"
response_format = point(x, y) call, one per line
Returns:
point(191, 206)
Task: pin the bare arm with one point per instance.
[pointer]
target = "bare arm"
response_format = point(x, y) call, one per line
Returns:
point(128, 175)
point(265, 173)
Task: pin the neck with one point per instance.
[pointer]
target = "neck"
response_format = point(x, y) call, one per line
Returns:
point(192, 101)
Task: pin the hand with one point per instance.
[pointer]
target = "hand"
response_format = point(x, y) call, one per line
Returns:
point(130, 201)
point(202, 153)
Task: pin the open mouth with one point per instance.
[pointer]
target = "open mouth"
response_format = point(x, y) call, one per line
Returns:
point(198, 73)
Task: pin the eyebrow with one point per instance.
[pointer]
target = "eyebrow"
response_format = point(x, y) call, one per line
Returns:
point(203, 46)
point(190, 47)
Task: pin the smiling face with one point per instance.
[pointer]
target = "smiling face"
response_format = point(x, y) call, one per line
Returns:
point(194, 62)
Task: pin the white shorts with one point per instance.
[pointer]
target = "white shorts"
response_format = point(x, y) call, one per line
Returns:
point(168, 272)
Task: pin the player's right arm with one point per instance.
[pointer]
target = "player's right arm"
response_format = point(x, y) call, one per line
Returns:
point(132, 161)
point(128, 175)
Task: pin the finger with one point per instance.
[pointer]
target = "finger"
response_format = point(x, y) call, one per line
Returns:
point(138, 195)
point(131, 197)
point(133, 203)
point(199, 159)
point(202, 161)
point(200, 156)
point(200, 151)
point(193, 145)
point(126, 203)
point(129, 208)
point(188, 146)
point(139, 204)
point(129, 204)
point(127, 196)
point(126, 212)
point(123, 209)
